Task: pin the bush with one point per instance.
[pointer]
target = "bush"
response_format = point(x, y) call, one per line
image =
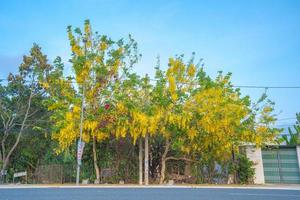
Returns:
point(245, 170)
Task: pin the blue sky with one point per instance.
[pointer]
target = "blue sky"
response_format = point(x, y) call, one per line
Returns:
point(258, 41)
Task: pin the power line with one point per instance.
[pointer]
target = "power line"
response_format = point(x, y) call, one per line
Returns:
point(266, 87)
point(284, 125)
point(235, 86)
point(289, 118)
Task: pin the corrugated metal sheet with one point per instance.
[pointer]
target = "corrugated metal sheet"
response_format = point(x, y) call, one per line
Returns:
point(281, 165)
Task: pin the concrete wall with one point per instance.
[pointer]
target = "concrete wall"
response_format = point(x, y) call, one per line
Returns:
point(298, 154)
point(254, 154)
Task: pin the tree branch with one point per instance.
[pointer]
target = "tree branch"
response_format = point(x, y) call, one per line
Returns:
point(181, 158)
point(20, 131)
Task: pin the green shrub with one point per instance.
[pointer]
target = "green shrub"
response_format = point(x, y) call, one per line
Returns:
point(242, 169)
point(245, 170)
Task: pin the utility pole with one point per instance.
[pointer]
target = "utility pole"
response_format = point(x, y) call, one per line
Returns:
point(79, 145)
point(147, 134)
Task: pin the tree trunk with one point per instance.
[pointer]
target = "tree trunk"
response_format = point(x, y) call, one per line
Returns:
point(7, 157)
point(234, 164)
point(163, 163)
point(147, 159)
point(1, 159)
point(97, 170)
point(140, 162)
point(210, 171)
point(2, 156)
point(188, 169)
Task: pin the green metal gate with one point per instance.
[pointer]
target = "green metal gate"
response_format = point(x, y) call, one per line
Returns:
point(281, 165)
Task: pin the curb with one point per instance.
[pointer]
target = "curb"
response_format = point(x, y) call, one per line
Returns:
point(263, 187)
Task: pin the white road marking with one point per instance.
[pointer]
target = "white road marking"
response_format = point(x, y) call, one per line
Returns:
point(268, 195)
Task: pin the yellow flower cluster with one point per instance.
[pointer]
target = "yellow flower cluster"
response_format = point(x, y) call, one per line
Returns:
point(172, 88)
point(191, 70)
point(103, 46)
point(77, 50)
point(69, 132)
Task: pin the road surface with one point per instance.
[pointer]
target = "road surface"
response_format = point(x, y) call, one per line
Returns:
point(147, 194)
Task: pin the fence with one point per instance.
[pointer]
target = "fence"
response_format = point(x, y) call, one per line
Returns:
point(54, 173)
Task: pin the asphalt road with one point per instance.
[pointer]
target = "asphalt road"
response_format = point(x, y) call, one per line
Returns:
point(147, 194)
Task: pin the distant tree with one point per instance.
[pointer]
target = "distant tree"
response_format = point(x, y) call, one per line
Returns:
point(21, 109)
point(294, 135)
